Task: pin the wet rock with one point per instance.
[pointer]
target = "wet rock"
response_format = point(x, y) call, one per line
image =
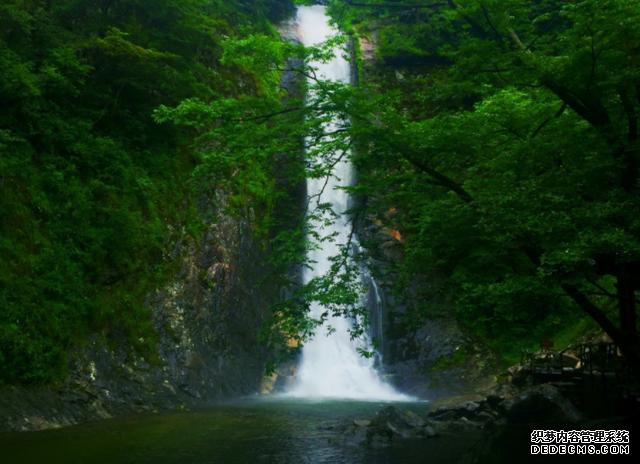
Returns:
point(494, 400)
point(472, 407)
point(458, 407)
point(361, 423)
point(40, 423)
point(414, 420)
point(429, 432)
point(451, 427)
point(349, 435)
point(506, 404)
point(389, 425)
point(360, 436)
point(435, 359)
point(541, 403)
point(390, 421)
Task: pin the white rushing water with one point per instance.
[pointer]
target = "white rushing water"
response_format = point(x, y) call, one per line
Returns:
point(331, 366)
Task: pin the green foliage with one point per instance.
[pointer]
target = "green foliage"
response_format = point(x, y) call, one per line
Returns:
point(494, 132)
point(90, 185)
point(498, 137)
point(239, 139)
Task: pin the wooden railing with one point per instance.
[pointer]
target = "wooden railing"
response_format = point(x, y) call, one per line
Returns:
point(591, 359)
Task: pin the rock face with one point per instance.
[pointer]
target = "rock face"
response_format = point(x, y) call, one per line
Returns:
point(436, 359)
point(390, 424)
point(430, 360)
point(207, 320)
point(504, 407)
point(507, 404)
point(540, 403)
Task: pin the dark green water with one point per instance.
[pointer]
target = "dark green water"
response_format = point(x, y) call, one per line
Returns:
point(247, 431)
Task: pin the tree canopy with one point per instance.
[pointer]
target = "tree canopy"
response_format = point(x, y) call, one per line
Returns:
point(497, 139)
point(504, 135)
point(92, 188)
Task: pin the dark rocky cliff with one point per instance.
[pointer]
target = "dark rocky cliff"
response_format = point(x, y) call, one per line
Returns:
point(429, 356)
point(207, 319)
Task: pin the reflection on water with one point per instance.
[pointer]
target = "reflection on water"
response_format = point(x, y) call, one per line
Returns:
point(248, 431)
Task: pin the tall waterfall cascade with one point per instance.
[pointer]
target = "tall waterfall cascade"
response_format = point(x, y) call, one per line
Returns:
point(331, 365)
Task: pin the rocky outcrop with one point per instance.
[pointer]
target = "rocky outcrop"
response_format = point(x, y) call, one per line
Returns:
point(507, 404)
point(540, 403)
point(431, 359)
point(389, 425)
point(504, 407)
point(436, 359)
point(207, 321)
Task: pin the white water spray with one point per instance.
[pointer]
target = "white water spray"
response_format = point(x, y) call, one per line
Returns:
point(331, 366)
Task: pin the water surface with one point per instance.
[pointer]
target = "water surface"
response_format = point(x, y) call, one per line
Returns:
point(246, 431)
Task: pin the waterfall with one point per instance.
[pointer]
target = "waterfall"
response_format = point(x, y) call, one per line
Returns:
point(377, 322)
point(331, 365)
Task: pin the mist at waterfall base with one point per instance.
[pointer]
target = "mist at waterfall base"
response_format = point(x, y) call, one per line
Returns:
point(331, 365)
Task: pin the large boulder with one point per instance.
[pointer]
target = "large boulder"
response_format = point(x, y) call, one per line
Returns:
point(540, 403)
point(386, 426)
point(462, 413)
point(391, 423)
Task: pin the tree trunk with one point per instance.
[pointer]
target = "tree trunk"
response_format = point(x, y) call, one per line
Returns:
point(629, 347)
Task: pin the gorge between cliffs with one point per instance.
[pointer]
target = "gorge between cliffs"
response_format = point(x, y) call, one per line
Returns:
point(324, 232)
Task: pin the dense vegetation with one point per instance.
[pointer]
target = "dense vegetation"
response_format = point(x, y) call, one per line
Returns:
point(500, 138)
point(92, 189)
point(497, 139)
